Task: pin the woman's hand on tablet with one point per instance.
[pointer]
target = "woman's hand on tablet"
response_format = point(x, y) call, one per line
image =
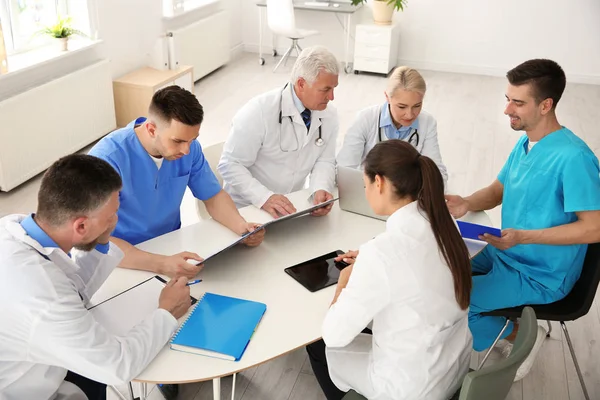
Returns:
point(348, 257)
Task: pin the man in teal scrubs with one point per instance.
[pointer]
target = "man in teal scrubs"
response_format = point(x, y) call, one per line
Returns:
point(549, 189)
point(157, 158)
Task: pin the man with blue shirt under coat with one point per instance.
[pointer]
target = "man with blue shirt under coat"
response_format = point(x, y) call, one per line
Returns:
point(284, 138)
point(157, 158)
point(53, 262)
point(549, 189)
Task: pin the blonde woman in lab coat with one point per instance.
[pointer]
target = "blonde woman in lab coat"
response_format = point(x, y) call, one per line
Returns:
point(413, 282)
point(401, 116)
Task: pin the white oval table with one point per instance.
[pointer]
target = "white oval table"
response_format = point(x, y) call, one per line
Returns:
point(294, 315)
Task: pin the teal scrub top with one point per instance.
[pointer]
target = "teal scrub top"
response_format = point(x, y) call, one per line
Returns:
point(543, 189)
point(151, 197)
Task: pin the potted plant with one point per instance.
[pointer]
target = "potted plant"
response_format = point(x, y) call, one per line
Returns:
point(383, 9)
point(61, 31)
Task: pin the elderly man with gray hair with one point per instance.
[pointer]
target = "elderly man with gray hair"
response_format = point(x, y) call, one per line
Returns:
point(281, 137)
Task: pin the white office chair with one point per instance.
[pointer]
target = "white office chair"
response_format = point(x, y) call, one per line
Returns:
point(281, 20)
point(212, 155)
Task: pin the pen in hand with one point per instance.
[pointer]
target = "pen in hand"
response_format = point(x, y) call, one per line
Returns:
point(190, 283)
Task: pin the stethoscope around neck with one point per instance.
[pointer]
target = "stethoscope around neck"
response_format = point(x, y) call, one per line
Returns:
point(413, 136)
point(318, 141)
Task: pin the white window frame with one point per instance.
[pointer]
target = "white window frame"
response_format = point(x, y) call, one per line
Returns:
point(62, 7)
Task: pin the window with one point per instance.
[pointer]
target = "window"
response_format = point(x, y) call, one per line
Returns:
point(22, 19)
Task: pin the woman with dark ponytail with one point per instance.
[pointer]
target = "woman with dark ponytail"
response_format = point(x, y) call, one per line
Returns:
point(413, 282)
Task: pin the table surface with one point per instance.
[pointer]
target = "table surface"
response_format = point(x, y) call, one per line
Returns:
point(345, 8)
point(294, 315)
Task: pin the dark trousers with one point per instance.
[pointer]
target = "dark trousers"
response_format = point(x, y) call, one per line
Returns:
point(92, 389)
point(318, 362)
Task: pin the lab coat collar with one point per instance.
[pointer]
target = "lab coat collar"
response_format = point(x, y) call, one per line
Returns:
point(12, 224)
point(399, 217)
point(34, 231)
point(297, 102)
point(289, 108)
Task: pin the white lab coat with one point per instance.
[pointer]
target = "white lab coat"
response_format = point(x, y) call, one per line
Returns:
point(421, 343)
point(262, 156)
point(45, 328)
point(363, 135)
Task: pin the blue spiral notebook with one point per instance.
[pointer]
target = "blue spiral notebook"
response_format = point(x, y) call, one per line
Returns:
point(219, 326)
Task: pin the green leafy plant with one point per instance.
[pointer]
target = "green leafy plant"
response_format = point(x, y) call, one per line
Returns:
point(61, 29)
point(398, 4)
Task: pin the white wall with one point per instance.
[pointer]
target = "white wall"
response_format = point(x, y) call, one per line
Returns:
point(494, 36)
point(129, 30)
point(475, 36)
point(234, 7)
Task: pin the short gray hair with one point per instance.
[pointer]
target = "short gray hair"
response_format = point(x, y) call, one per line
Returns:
point(313, 60)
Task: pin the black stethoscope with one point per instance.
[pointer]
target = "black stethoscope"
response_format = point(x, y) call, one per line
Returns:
point(318, 141)
point(414, 135)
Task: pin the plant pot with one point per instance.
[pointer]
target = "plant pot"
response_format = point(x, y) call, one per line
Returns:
point(62, 44)
point(382, 12)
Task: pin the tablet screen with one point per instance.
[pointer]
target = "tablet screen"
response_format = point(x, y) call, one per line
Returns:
point(319, 272)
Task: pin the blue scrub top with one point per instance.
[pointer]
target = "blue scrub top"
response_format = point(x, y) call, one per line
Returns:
point(151, 197)
point(543, 189)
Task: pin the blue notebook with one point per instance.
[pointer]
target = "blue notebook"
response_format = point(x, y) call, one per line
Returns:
point(473, 231)
point(219, 326)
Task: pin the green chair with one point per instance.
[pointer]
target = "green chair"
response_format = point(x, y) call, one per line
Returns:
point(352, 395)
point(494, 381)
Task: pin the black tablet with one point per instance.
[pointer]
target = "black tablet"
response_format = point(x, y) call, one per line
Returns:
point(319, 272)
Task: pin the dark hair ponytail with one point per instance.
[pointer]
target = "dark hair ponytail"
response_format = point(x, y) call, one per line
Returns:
point(419, 178)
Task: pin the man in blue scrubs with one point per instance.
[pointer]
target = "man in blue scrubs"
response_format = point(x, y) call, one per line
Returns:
point(157, 158)
point(549, 189)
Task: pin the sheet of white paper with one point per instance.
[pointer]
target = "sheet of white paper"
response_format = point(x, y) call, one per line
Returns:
point(122, 312)
point(474, 246)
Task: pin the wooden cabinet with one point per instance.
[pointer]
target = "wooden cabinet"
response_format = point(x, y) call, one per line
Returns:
point(133, 92)
point(375, 48)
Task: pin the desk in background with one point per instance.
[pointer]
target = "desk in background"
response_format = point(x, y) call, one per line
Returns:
point(342, 8)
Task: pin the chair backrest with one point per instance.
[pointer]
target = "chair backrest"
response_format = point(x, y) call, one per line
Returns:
point(579, 301)
point(280, 17)
point(212, 154)
point(494, 382)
